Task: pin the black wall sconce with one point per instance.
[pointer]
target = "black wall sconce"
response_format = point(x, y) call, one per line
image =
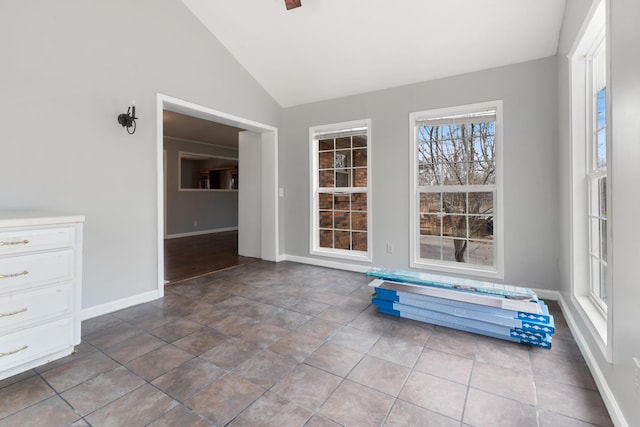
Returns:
point(128, 120)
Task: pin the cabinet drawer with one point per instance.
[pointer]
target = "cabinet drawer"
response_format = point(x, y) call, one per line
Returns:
point(19, 272)
point(23, 309)
point(23, 346)
point(19, 241)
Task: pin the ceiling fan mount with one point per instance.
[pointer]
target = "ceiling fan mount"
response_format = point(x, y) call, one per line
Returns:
point(292, 4)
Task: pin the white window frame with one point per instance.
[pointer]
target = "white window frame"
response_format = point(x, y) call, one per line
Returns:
point(327, 130)
point(596, 78)
point(495, 271)
point(581, 84)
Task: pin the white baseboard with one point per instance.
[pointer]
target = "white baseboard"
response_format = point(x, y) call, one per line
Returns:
point(329, 264)
point(547, 294)
point(200, 232)
point(603, 387)
point(544, 294)
point(110, 307)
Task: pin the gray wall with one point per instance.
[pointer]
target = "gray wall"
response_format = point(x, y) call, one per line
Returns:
point(625, 203)
point(530, 167)
point(211, 209)
point(69, 68)
point(624, 89)
point(249, 220)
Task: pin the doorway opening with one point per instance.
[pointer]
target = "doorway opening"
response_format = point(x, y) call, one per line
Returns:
point(217, 191)
point(201, 175)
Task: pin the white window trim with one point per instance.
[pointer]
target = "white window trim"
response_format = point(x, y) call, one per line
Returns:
point(496, 272)
point(599, 325)
point(315, 248)
point(593, 172)
point(592, 180)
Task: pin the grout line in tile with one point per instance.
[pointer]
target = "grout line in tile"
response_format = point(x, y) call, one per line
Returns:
point(278, 277)
point(61, 398)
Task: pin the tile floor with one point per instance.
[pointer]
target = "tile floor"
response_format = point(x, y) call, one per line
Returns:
point(286, 344)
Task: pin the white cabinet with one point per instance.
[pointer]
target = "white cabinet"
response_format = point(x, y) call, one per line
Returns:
point(40, 288)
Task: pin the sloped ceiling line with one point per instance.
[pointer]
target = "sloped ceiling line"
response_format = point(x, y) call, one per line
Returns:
point(335, 48)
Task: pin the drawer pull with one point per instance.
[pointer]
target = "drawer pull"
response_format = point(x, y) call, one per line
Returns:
point(8, 276)
point(24, 347)
point(13, 313)
point(19, 242)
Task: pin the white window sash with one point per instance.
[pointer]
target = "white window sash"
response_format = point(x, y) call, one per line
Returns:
point(476, 113)
point(318, 133)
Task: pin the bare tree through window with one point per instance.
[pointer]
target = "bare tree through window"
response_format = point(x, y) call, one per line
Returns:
point(456, 185)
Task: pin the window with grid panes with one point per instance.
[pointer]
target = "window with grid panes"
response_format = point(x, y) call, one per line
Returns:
point(456, 188)
point(590, 188)
point(340, 194)
point(597, 173)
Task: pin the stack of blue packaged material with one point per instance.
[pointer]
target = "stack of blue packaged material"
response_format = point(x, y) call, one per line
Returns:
point(501, 311)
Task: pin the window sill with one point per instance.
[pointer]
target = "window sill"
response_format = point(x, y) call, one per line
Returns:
point(342, 254)
point(466, 270)
point(596, 322)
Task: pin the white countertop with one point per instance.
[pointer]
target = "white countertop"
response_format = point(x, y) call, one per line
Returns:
point(30, 218)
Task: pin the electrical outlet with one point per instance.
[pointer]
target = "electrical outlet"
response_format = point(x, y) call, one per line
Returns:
point(195, 223)
point(389, 248)
point(636, 368)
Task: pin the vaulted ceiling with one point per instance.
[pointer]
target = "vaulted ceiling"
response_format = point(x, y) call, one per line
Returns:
point(333, 48)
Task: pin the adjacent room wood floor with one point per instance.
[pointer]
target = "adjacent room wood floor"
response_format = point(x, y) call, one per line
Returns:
point(190, 257)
